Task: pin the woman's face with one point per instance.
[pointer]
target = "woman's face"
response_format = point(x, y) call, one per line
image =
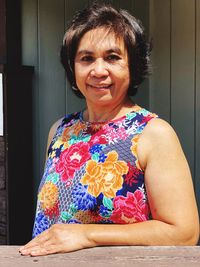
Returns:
point(101, 68)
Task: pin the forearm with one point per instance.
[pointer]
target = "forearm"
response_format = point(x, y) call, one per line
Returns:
point(60, 238)
point(151, 232)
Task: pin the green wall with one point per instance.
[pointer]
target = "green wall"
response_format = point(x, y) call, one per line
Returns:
point(175, 85)
point(173, 91)
point(43, 27)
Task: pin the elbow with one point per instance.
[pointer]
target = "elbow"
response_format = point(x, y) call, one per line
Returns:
point(186, 236)
point(193, 237)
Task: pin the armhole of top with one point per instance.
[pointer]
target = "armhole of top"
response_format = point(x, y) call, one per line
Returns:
point(155, 116)
point(57, 124)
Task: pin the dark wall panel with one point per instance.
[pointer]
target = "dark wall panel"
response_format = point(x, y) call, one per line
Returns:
point(197, 117)
point(140, 10)
point(160, 78)
point(175, 83)
point(51, 76)
point(72, 102)
point(30, 57)
point(182, 73)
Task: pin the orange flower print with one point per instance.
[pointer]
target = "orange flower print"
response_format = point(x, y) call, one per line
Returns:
point(134, 150)
point(87, 216)
point(48, 198)
point(75, 130)
point(78, 127)
point(105, 177)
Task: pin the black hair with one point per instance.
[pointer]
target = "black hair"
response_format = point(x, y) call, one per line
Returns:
point(124, 25)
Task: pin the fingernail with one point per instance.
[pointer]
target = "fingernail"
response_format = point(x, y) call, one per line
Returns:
point(21, 248)
point(24, 251)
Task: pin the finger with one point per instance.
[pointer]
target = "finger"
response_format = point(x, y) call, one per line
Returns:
point(36, 241)
point(39, 242)
point(51, 249)
point(37, 247)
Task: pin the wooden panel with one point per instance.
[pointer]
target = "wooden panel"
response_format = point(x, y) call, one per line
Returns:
point(122, 4)
point(30, 57)
point(29, 32)
point(160, 78)
point(72, 6)
point(73, 103)
point(51, 97)
point(140, 9)
point(182, 74)
point(107, 256)
point(197, 165)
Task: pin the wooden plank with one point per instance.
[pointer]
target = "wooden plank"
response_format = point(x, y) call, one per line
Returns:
point(182, 73)
point(107, 257)
point(197, 146)
point(160, 78)
point(51, 97)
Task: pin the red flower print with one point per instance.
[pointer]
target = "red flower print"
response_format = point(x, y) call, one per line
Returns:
point(72, 159)
point(130, 209)
point(53, 212)
point(132, 175)
point(98, 138)
point(147, 118)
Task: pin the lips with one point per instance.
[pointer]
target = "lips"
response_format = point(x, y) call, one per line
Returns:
point(100, 87)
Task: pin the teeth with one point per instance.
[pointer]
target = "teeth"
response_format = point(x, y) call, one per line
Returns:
point(103, 86)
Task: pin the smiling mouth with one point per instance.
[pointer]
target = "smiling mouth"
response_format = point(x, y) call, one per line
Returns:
point(100, 87)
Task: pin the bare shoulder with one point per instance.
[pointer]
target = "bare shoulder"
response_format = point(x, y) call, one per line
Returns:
point(159, 129)
point(158, 136)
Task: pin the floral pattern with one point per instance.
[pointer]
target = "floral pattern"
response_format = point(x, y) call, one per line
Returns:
point(48, 198)
point(92, 174)
point(72, 159)
point(130, 209)
point(106, 177)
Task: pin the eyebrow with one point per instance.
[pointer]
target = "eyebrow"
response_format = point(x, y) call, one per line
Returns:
point(109, 51)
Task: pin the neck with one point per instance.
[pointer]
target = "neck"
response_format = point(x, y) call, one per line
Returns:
point(103, 114)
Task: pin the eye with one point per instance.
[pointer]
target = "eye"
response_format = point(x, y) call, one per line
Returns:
point(113, 57)
point(87, 58)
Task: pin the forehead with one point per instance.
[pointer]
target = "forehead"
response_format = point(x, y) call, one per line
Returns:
point(100, 39)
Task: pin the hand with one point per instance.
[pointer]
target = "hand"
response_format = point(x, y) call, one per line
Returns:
point(59, 238)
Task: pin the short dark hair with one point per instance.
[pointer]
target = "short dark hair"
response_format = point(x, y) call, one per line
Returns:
point(124, 25)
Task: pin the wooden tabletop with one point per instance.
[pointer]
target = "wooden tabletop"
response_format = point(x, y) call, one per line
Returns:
point(106, 256)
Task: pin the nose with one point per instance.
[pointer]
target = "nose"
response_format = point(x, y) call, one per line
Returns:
point(99, 68)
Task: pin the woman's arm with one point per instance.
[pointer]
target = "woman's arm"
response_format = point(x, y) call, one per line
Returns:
point(171, 198)
point(170, 194)
point(169, 184)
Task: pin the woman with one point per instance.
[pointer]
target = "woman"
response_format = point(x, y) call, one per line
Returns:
point(115, 172)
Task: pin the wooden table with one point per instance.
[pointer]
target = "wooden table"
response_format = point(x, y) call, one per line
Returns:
point(106, 256)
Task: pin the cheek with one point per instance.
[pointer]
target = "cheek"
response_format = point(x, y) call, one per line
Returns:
point(124, 76)
point(80, 73)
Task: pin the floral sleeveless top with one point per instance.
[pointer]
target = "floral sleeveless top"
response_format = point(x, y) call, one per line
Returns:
point(92, 174)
